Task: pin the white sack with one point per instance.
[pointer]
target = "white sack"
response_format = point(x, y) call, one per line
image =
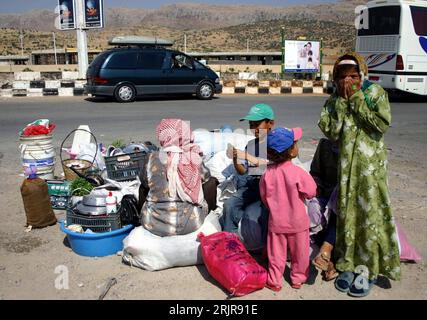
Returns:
point(151, 252)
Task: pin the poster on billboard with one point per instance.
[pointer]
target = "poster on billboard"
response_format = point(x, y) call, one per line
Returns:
point(93, 14)
point(67, 14)
point(302, 56)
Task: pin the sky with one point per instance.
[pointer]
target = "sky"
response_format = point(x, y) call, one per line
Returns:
point(16, 6)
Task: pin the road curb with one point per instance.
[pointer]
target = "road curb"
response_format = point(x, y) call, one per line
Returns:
point(68, 88)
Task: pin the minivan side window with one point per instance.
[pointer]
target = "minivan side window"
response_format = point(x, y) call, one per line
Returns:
point(419, 18)
point(151, 60)
point(123, 60)
point(180, 61)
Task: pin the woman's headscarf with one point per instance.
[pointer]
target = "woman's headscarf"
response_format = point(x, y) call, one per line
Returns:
point(360, 60)
point(183, 159)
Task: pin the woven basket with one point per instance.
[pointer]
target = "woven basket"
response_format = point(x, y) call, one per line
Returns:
point(83, 167)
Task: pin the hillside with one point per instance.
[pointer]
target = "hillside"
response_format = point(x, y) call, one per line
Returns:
point(192, 16)
point(208, 28)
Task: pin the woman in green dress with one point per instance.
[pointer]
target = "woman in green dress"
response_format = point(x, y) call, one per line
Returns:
point(357, 115)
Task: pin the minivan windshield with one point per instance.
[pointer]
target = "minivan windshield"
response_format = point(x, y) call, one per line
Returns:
point(382, 21)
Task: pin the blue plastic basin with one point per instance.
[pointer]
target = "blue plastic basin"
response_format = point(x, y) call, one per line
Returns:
point(96, 244)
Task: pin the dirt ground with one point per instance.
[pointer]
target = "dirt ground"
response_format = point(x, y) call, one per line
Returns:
point(28, 260)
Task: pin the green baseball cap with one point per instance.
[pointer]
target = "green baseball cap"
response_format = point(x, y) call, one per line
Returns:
point(259, 112)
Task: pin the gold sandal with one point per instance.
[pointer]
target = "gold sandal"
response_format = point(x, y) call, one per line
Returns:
point(325, 258)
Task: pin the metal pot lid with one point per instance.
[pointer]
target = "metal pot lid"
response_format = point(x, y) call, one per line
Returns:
point(90, 210)
point(94, 200)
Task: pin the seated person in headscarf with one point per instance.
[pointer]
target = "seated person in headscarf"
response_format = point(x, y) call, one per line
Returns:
point(171, 183)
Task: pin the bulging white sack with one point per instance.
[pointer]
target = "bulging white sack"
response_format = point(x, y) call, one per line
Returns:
point(151, 252)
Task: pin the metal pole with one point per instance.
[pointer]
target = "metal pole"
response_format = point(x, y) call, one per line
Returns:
point(54, 48)
point(81, 40)
point(21, 37)
point(185, 43)
point(282, 32)
point(247, 45)
point(321, 57)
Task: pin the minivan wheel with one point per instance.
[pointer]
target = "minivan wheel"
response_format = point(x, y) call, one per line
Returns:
point(125, 93)
point(205, 91)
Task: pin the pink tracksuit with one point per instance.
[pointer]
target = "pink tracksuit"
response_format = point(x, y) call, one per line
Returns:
point(283, 188)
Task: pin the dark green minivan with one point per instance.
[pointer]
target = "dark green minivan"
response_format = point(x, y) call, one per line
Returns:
point(125, 73)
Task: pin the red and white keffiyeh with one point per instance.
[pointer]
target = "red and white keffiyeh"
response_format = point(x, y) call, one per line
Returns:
point(183, 159)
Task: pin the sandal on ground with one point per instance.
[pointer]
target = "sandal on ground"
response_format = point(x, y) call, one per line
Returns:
point(273, 288)
point(344, 281)
point(296, 285)
point(361, 285)
point(331, 273)
point(321, 261)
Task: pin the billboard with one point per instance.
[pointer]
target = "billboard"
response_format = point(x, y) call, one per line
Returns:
point(93, 14)
point(67, 14)
point(302, 56)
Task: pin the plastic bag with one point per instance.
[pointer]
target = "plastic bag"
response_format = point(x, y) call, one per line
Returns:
point(407, 252)
point(230, 264)
point(129, 213)
point(213, 142)
point(87, 152)
point(220, 166)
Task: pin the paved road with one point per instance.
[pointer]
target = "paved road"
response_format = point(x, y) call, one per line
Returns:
point(137, 121)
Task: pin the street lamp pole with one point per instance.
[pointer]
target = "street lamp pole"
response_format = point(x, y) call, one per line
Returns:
point(54, 48)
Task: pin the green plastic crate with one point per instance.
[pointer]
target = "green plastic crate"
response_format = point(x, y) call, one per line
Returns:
point(59, 193)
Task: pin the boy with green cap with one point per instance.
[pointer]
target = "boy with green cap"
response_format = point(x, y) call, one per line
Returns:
point(250, 165)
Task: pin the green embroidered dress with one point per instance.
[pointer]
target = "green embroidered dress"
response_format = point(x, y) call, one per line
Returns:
point(366, 233)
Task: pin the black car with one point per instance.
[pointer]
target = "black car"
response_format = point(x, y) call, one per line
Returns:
point(125, 73)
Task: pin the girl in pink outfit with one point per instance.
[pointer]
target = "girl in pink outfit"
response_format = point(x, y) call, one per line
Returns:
point(283, 188)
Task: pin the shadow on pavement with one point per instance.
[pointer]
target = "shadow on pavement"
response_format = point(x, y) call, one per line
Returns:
point(401, 96)
point(148, 98)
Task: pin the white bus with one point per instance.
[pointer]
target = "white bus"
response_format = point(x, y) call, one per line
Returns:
point(394, 44)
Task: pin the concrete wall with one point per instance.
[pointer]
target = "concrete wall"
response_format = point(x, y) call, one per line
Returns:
point(216, 67)
point(35, 67)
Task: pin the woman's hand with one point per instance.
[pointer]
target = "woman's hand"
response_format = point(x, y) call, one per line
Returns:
point(351, 87)
point(341, 89)
point(347, 87)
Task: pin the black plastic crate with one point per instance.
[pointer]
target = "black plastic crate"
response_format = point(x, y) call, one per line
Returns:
point(102, 223)
point(125, 167)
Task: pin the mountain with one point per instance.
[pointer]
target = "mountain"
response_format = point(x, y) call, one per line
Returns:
point(207, 28)
point(193, 16)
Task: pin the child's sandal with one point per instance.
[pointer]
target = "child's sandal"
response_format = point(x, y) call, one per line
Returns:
point(296, 285)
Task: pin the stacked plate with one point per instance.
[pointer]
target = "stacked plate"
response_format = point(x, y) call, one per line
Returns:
point(92, 205)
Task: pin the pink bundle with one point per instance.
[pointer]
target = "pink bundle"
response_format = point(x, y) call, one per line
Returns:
point(228, 262)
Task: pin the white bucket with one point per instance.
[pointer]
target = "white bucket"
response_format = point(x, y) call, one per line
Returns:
point(39, 152)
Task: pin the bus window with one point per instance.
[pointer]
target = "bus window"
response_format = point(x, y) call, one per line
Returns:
point(382, 21)
point(419, 18)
